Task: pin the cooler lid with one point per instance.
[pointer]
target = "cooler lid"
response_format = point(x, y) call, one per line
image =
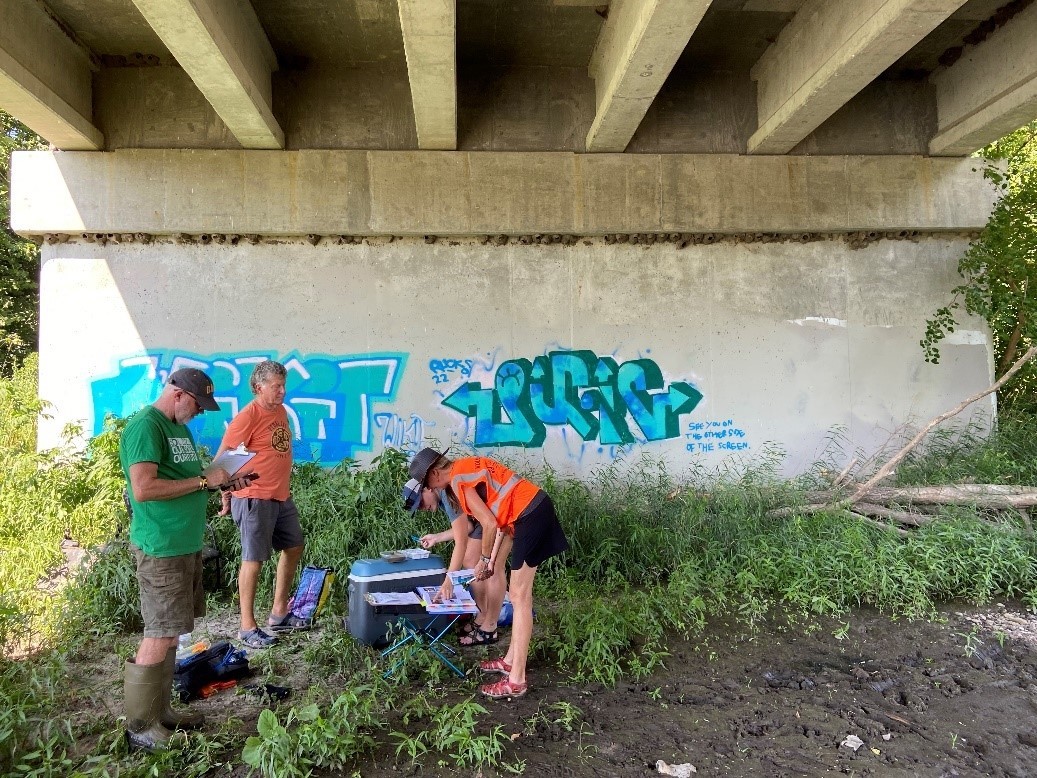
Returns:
point(368, 568)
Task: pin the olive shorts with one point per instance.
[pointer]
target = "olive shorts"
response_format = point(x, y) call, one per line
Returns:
point(171, 594)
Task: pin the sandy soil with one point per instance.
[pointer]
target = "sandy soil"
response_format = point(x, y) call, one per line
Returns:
point(957, 697)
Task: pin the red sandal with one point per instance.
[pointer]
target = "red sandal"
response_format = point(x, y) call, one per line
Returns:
point(504, 689)
point(497, 665)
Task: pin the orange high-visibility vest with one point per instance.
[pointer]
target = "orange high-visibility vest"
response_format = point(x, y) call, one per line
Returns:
point(507, 495)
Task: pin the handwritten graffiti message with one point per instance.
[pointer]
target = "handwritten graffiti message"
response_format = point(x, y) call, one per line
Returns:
point(598, 398)
point(709, 436)
point(408, 435)
point(329, 399)
point(442, 369)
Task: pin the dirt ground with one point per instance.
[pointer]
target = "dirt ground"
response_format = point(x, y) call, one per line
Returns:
point(956, 697)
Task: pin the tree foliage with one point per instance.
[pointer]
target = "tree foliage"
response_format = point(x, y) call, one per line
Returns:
point(999, 269)
point(19, 259)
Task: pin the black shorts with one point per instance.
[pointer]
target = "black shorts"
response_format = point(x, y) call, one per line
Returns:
point(538, 534)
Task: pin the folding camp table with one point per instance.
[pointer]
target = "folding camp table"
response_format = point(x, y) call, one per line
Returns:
point(428, 637)
point(437, 619)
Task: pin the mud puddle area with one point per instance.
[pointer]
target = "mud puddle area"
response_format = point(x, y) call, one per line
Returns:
point(866, 695)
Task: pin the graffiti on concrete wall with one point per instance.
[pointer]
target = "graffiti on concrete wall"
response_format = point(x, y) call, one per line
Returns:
point(597, 397)
point(407, 434)
point(330, 399)
point(706, 437)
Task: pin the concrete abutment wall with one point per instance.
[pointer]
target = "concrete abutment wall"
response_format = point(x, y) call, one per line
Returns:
point(765, 300)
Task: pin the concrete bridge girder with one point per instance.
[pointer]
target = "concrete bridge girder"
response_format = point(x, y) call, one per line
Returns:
point(814, 58)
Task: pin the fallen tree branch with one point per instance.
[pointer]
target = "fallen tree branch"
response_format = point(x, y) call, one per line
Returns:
point(887, 468)
point(901, 517)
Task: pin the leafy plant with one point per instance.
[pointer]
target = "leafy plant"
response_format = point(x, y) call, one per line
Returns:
point(999, 269)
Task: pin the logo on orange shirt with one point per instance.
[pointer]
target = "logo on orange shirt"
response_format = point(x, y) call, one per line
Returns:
point(281, 440)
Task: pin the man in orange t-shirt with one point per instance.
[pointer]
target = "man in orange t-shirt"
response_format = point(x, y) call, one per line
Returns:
point(264, 511)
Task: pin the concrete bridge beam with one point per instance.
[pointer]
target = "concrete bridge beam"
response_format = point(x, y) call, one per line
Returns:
point(460, 193)
point(222, 47)
point(635, 52)
point(828, 53)
point(430, 42)
point(45, 77)
point(990, 91)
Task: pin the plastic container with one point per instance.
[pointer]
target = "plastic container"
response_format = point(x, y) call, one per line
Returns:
point(377, 575)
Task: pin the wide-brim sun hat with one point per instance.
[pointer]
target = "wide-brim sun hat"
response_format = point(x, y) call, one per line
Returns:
point(422, 463)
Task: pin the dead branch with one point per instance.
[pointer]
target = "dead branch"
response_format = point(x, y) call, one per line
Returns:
point(901, 517)
point(872, 522)
point(887, 468)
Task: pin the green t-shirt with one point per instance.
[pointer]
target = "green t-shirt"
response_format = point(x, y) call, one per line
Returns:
point(164, 528)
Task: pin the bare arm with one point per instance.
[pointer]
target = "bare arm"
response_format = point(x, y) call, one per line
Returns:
point(485, 517)
point(459, 529)
point(146, 485)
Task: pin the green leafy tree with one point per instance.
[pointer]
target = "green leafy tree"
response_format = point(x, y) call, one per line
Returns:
point(19, 259)
point(999, 269)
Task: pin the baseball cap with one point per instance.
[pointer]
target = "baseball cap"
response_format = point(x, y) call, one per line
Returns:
point(195, 383)
point(412, 495)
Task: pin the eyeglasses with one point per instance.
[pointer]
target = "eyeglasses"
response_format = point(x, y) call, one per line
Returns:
point(197, 405)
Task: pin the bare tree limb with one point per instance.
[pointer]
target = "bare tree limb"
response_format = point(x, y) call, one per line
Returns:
point(887, 468)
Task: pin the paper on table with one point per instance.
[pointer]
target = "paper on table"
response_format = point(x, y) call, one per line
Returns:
point(461, 602)
point(232, 460)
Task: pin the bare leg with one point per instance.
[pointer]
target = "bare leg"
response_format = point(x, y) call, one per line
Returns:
point(152, 651)
point(496, 586)
point(286, 567)
point(478, 588)
point(248, 578)
point(522, 625)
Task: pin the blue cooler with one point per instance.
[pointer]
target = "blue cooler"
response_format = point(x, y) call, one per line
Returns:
point(378, 575)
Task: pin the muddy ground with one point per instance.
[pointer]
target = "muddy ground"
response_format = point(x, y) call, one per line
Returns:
point(955, 697)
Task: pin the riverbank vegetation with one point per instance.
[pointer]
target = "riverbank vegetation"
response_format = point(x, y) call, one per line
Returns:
point(655, 554)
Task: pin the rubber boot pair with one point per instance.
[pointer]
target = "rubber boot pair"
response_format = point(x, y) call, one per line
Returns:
point(149, 717)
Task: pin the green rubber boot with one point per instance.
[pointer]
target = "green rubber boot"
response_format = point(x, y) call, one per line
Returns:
point(144, 693)
point(175, 719)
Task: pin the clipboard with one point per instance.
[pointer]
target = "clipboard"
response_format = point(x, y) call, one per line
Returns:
point(234, 459)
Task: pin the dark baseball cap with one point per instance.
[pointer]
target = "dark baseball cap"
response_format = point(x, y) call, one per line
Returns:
point(412, 495)
point(195, 383)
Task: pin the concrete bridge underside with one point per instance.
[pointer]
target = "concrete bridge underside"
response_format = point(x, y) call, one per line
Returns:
point(582, 230)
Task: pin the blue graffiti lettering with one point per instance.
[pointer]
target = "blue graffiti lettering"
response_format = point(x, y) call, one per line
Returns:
point(329, 398)
point(594, 396)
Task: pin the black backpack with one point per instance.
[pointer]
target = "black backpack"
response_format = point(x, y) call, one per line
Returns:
point(219, 662)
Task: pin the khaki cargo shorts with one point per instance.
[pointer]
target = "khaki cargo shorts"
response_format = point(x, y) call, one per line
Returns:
point(171, 594)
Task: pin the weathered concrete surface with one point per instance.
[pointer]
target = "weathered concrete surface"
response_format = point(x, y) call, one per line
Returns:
point(829, 52)
point(430, 41)
point(786, 343)
point(990, 91)
point(45, 77)
point(223, 48)
point(635, 53)
point(456, 193)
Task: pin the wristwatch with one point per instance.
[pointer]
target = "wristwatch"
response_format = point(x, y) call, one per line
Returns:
point(484, 559)
point(203, 484)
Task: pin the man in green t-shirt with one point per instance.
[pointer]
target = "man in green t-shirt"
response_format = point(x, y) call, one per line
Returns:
point(168, 493)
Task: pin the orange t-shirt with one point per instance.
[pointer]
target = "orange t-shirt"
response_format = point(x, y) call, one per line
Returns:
point(267, 434)
point(507, 495)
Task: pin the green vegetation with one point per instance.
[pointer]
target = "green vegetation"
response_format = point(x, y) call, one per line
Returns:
point(643, 539)
point(19, 259)
point(999, 270)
